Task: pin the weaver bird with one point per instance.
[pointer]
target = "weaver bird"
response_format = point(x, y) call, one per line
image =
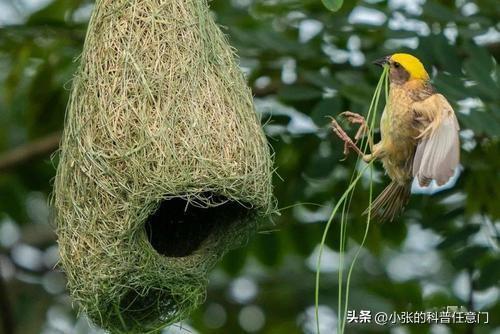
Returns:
point(419, 135)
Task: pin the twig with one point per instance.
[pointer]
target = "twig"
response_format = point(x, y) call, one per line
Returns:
point(5, 308)
point(470, 302)
point(30, 151)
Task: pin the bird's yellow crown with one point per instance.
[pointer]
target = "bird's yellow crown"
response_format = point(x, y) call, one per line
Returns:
point(411, 64)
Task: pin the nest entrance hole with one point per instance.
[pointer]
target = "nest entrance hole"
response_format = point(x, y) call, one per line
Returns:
point(178, 228)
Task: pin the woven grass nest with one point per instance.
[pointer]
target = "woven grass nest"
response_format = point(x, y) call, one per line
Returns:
point(163, 164)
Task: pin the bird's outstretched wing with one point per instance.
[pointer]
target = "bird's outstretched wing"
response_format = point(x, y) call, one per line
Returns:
point(438, 151)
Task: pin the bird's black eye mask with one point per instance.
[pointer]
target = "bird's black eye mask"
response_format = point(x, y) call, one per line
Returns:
point(397, 73)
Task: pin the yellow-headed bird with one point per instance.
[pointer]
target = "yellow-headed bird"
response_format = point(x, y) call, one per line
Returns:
point(419, 135)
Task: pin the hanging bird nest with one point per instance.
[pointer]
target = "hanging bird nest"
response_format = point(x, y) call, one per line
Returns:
point(163, 165)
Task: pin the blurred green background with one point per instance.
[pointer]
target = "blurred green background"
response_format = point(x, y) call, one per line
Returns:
point(304, 64)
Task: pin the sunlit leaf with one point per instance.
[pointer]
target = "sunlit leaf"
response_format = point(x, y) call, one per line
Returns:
point(333, 5)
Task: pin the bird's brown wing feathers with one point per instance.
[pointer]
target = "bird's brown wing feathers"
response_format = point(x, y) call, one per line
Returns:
point(438, 150)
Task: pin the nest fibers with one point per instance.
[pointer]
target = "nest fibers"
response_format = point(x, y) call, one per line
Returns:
point(164, 165)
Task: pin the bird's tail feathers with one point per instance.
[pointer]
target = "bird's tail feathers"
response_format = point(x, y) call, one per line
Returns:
point(391, 202)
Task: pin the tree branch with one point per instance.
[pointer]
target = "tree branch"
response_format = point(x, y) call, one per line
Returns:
point(470, 302)
point(30, 151)
point(5, 308)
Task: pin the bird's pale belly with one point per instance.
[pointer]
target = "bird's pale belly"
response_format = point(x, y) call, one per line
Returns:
point(398, 144)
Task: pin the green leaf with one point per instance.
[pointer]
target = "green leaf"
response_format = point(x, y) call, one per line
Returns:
point(333, 5)
point(490, 274)
point(459, 237)
point(325, 109)
point(54, 13)
point(468, 257)
point(235, 261)
point(268, 249)
point(299, 93)
point(479, 67)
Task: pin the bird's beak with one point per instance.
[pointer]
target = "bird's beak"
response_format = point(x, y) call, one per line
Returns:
point(382, 61)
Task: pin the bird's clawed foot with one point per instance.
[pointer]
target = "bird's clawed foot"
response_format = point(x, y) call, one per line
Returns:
point(348, 143)
point(356, 119)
